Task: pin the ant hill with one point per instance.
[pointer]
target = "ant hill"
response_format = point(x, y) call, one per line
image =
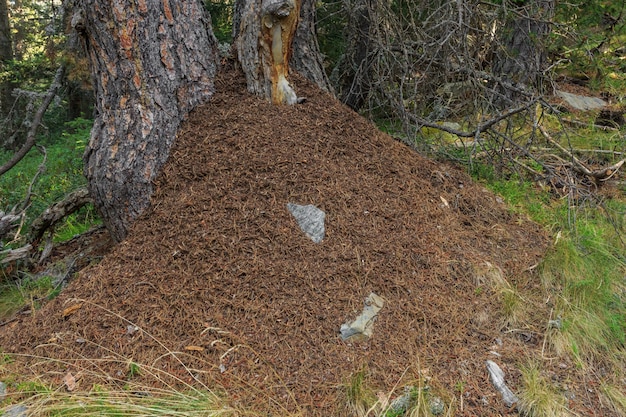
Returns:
point(223, 284)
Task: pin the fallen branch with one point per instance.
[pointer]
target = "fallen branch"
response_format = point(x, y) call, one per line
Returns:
point(7, 223)
point(9, 255)
point(600, 174)
point(583, 124)
point(481, 128)
point(58, 211)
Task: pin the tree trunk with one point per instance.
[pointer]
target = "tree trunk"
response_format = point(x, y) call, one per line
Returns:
point(352, 76)
point(307, 58)
point(6, 55)
point(264, 32)
point(521, 58)
point(152, 61)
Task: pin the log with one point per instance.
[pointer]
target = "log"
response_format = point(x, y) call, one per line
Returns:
point(57, 212)
point(7, 223)
point(10, 255)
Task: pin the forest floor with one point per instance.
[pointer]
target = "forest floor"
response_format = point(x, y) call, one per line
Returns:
point(217, 286)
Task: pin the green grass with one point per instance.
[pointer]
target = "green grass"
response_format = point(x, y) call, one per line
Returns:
point(77, 223)
point(539, 398)
point(62, 173)
point(29, 293)
point(584, 271)
point(414, 398)
point(45, 401)
point(583, 279)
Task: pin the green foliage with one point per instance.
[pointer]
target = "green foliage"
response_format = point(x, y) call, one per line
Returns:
point(587, 265)
point(14, 295)
point(331, 24)
point(583, 272)
point(77, 223)
point(589, 43)
point(359, 396)
point(37, 32)
point(134, 369)
point(524, 197)
point(62, 173)
point(221, 12)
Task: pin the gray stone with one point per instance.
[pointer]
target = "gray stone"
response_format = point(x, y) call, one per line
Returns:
point(3, 391)
point(403, 402)
point(363, 325)
point(18, 410)
point(452, 125)
point(437, 406)
point(582, 102)
point(496, 375)
point(310, 219)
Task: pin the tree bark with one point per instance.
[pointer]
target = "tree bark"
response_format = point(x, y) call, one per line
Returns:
point(6, 55)
point(521, 58)
point(307, 58)
point(264, 32)
point(352, 76)
point(152, 61)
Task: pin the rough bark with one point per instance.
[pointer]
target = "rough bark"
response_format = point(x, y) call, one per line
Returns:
point(152, 61)
point(6, 55)
point(352, 76)
point(521, 58)
point(265, 31)
point(307, 58)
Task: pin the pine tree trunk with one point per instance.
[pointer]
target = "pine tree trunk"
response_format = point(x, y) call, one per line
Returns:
point(353, 74)
point(306, 57)
point(6, 55)
point(153, 61)
point(264, 32)
point(521, 58)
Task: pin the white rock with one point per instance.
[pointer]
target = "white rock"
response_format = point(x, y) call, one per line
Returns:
point(496, 375)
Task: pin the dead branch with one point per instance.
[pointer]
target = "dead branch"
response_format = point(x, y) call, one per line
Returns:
point(599, 175)
point(7, 223)
point(31, 136)
point(45, 222)
point(480, 128)
point(10, 255)
point(58, 211)
point(583, 124)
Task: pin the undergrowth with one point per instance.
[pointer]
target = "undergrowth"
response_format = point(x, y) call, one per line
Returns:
point(583, 279)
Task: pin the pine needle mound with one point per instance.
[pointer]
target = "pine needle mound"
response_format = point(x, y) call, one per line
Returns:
point(217, 286)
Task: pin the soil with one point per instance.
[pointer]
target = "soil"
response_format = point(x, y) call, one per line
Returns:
point(217, 286)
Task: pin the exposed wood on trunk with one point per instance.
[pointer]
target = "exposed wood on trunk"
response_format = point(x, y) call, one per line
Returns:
point(152, 62)
point(265, 35)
